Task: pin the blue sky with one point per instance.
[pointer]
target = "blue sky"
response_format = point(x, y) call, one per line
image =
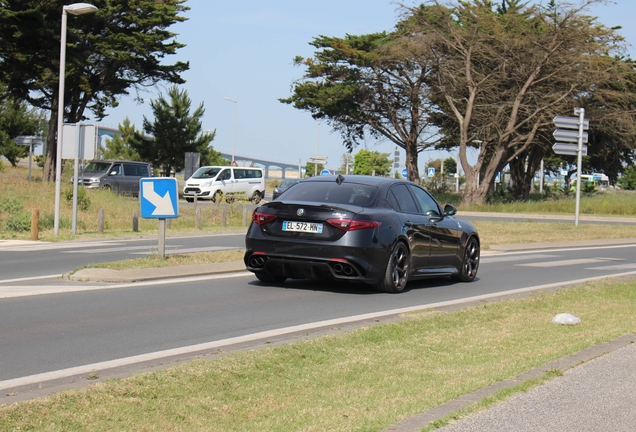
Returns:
point(244, 51)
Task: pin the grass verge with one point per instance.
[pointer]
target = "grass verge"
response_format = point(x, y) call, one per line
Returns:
point(154, 261)
point(362, 380)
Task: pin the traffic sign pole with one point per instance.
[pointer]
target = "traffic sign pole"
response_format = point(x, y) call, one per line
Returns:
point(581, 112)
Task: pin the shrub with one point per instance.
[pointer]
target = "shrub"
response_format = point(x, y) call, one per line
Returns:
point(11, 206)
point(18, 222)
point(1, 166)
point(83, 201)
point(628, 179)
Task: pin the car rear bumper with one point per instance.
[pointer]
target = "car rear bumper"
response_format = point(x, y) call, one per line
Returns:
point(298, 260)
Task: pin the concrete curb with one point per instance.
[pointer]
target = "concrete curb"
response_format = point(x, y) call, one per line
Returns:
point(135, 275)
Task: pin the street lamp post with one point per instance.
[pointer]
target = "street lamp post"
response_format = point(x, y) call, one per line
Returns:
point(73, 9)
point(234, 136)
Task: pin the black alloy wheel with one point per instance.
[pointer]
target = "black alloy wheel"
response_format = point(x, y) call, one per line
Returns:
point(470, 263)
point(397, 271)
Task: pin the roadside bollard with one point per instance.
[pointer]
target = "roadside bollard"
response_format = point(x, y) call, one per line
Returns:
point(100, 221)
point(198, 217)
point(224, 216)
point(35, 224)
point(245, 211)
point(135, 221)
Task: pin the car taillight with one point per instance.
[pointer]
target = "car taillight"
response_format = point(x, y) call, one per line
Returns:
point(262, 218)
point(352, 224)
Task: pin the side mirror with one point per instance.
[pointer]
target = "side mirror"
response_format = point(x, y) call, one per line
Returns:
point(450, 210)
point(113, 173)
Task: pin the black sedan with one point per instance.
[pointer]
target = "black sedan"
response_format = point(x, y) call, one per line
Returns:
point(283, 186)
point(374, 230)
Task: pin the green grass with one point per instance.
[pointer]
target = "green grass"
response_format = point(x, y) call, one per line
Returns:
point(361, 380)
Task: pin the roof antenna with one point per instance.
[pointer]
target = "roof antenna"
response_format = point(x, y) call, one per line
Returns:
point(339, 179)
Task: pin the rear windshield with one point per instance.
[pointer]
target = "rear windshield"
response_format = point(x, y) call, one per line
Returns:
point(287, 183)
point(206, 172)
point(323, 192)
point(97, 167)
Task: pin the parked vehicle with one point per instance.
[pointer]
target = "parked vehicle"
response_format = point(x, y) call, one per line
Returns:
point(118, 175)
point(283, 186)
point(215, 182)
point(378, 231)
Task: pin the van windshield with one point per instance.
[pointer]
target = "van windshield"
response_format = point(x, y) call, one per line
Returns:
point(206, 172)
point(97, 167)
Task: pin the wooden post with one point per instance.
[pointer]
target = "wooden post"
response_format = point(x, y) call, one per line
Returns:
point(135, 221)
point(35, 223)
point(224, 216)
point(168, 223)
point(245, 210)
point(198, 218)
point(100, 221)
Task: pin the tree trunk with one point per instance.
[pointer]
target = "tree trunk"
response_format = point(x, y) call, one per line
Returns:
point(411, 162)
point(51, 149)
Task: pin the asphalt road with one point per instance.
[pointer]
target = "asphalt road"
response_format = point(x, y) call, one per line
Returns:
point(112, 321)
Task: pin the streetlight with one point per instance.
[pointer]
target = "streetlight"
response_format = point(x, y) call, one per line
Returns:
point(234, 137)
point(73, 9)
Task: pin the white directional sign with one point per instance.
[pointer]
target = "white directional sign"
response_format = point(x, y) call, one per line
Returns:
point(569, 135)
point(569, 149)
point(158, 197)
point(570, 122)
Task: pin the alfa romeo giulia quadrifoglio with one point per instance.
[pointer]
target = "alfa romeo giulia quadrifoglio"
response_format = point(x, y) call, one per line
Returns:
point(372, 230)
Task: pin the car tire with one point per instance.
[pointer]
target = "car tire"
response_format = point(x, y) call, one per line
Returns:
point(256, 197)
point(470, 262)
point(270, 278)
point(217, 197)
point(190, 199)
point(106, 187)
point(396, 274)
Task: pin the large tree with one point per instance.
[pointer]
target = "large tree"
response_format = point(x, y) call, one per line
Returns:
point(372, 162)
point(173, 132)
point(370, 85)
point(502, 73)
point(121, 146)
point(121, 47)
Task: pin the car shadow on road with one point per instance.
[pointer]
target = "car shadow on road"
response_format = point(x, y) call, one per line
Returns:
point(338, 287)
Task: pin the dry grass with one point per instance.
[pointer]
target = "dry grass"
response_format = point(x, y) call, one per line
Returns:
point(18, 198)
point(363, 380)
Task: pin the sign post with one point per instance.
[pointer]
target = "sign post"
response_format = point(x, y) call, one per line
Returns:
point(158, 199)
point(572, 131)
point(31, 141)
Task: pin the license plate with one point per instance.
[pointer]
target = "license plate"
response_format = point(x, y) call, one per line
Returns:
point(307, 227)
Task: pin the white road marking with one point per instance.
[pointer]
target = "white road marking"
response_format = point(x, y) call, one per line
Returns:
point(30, 278)
point(24, 291)
point(615, 267)
point(63, 373)
point(562, 263)
point(506, 258)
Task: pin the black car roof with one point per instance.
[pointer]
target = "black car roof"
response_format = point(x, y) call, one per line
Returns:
point(354, 178)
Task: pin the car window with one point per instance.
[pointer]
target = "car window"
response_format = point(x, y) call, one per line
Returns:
point(206, 172)
point(136, 170)
point(427, 203)
point(402, 199)
point(328, 192)
point(97, 167)
point(115, 170)
point(225, 175)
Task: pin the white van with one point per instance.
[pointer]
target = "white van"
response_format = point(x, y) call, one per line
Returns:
point(214, 182)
